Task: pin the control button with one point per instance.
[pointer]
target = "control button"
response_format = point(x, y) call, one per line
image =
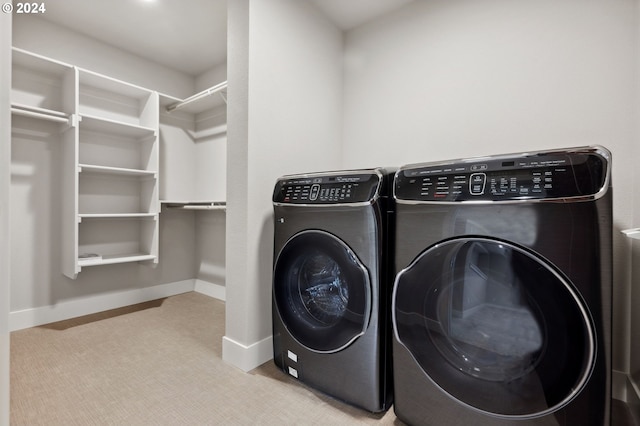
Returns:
point(477, 183)
point(476, 167)
point(315, 190)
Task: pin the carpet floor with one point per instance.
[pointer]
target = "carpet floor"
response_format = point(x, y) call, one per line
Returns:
point(158, 363)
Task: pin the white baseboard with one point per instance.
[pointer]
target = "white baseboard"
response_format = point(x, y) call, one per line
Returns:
point(216, 291)
point(245, 357)
point(34, 317)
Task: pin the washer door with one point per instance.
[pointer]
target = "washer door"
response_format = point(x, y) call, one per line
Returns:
point(322, 291)
point(495, 326)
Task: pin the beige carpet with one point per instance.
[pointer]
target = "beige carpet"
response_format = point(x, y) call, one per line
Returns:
point(156, 364)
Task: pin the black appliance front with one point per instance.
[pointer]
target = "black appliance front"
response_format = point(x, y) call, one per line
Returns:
point(332, 284)
point(322, 291)
point(502, 302)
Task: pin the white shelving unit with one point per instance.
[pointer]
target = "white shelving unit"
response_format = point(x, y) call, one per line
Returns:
point(116, 163)
point(193, 150)
point(110, 158)
point(116, 140)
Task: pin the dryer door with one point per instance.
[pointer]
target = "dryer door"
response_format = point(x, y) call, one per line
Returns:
point(495, 326)
point(322, 291)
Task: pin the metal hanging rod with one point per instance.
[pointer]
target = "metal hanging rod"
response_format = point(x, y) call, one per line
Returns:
point(210, 91)
point(41, 113)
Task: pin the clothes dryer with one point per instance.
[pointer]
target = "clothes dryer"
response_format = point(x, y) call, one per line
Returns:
point(332, 282)
point(502, 302)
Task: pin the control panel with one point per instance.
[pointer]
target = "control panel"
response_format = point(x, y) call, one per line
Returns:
point(326, 189)
point(535, 176)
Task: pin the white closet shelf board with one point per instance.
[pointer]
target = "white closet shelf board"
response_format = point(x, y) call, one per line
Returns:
point(110, 260)
point(114, 127)
point(116, 170)
point(632, 233)
point(118, 216)
point(39, 63)
point(198, 207)
point(112, 85)
point(195, 205)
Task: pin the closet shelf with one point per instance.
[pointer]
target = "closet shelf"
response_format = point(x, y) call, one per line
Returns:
point(38, 63)
point(632, 233)
point(90, 80)
point(199, 99)
point(196, 205)
point(115, 170)
point(118, 216)
point(120, 128)
point(113, 259)
point(200, 207)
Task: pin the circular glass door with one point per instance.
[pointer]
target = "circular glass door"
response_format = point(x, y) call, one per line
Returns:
point(495, 327)
point(322, 291)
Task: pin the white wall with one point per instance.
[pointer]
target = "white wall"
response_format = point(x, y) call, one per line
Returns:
point(211, 77)
point(284, 70)
point(210, 246)
point(443, 80)
point(5, 179)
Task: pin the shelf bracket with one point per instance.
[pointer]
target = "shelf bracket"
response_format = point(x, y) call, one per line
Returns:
point(74, 120)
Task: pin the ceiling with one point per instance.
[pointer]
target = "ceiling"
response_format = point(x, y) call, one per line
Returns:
point(186, 35)
point(348, 14)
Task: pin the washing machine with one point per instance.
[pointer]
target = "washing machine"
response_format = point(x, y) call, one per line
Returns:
point(332, 280)
point(501, 305)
